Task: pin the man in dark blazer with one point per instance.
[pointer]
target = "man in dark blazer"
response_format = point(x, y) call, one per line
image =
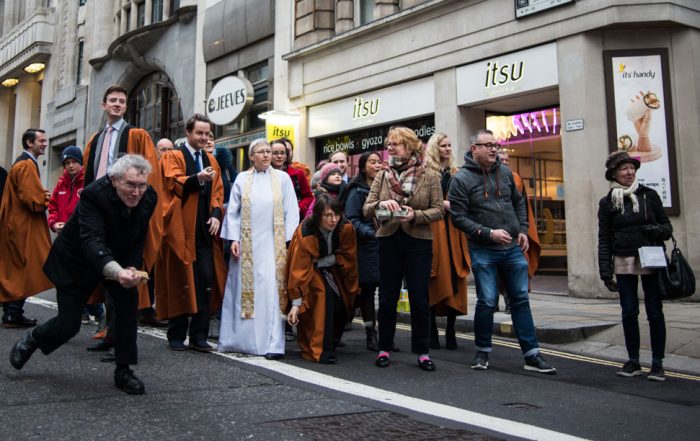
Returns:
point(101, 243)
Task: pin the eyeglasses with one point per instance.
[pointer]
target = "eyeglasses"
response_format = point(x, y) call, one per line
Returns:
point(131, 186)
point(394, 144)
point(488, 145)
point(263, 152)
point(280, 153)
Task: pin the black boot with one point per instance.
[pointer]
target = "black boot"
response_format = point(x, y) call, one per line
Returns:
point(23, 350)
point(125, 380)
point(506, 299)
point(434, 341)
point(450, 337)
point(372, 339)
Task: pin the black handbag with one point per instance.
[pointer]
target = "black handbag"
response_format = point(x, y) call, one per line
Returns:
point(677, 278)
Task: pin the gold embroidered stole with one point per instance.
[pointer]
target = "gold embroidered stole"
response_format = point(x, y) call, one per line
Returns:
point(279, 234)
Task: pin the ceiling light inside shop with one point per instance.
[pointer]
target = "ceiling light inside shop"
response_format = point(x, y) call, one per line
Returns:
point(34, 68)
point(10, 82)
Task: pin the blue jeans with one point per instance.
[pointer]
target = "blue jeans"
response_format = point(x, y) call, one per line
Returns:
point(630, 311)
point(510, 263)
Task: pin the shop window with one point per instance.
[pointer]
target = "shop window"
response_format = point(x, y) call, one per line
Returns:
point(532, 141)
point(155, 107)
point(157, 11)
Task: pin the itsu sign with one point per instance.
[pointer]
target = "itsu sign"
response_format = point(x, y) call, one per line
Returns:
point(230, 99)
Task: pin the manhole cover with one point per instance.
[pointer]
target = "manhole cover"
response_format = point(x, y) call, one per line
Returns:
point(375, 426)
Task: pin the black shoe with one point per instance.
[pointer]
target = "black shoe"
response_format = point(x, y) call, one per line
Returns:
point(273, 356)
point(382, 361)
point(480, 361)
point(23, 350)
point(331, 359)
point(426, 364)
point(177, 345)
point(657, 372)
point(17, 321)
point(101, 346)
point(372, 340)
point(630, 369)
point(125, 380)
point(289, 336)
point(450, 339)
point(536, 363)
point(201, 346)
point(108, 357)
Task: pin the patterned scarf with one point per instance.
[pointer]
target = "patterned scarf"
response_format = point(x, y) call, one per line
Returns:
point(618, 195)
point(279, 232)
point(402, 175)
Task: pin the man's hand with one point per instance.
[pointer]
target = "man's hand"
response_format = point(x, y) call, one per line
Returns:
point(501, 237)
point(523, 242)
point(213, 225)
point(611, 285)
point(58, 226)
point(206, 175)
point(293, 316)
point(235, 249)
point(128, 278)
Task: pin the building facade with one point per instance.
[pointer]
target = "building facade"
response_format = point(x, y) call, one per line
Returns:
point(549, 82)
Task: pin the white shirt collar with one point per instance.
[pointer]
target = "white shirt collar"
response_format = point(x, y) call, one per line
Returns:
point(117, 125)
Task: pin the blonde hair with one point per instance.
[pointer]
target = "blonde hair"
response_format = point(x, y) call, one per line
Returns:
point(407, 137)
point(433, 161)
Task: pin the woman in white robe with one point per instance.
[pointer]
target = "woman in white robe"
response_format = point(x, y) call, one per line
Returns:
point(262, 216)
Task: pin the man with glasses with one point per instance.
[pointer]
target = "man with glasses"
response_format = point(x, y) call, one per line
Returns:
point(191, 272)
point(487, 207)
point(102, 243)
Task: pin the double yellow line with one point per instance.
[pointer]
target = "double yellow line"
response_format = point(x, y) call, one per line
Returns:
point(560, 354)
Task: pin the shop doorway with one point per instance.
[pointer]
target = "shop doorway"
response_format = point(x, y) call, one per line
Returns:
point(532, 140)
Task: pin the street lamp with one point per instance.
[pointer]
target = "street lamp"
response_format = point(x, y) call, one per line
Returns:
point(10, 82)
point(34, 68)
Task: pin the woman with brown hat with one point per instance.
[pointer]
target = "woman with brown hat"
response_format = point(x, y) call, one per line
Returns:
point(631, 216)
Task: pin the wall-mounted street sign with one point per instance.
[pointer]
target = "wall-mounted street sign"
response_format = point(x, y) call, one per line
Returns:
point(523, 8)
point(574, 124)
point(230, 99)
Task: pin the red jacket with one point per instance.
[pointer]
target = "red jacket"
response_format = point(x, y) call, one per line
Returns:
point(301, 187)
point(65, 197)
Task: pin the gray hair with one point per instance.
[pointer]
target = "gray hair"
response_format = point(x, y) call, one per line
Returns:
point(123, 164)
point(256, 143)
point(478, 133)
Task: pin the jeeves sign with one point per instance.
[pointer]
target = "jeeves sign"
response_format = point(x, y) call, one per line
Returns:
point(229, 99)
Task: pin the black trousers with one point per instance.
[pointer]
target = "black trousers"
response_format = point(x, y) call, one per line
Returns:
point(336, 317)
point(203, 268)
point(71, 299)
point(402, 256)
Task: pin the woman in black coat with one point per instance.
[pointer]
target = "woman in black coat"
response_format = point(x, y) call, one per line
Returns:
point(367, 246)
point(630, 216)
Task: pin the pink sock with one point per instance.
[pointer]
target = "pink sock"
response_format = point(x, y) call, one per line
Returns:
point(423, 357)
point(383, 354)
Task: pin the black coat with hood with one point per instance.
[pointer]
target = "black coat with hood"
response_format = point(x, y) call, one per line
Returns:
point(365, 230)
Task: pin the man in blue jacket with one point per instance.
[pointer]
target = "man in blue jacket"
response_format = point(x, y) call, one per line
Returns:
point(487, 207)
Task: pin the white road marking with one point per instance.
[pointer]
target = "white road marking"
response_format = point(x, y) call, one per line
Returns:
point(426, 407)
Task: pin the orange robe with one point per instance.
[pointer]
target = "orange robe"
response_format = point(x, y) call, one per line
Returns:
point(24, 233)
point(305, 281)
point(533, 253)
point(175, 287)
point(138, 143)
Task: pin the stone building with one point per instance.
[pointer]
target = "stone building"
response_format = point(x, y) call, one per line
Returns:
point(554, 82)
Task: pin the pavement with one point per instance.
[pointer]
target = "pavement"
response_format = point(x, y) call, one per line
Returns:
point(594, 326)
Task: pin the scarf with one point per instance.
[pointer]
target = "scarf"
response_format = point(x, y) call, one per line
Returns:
point(618, 195)
point(279, 232)
point(402, 175)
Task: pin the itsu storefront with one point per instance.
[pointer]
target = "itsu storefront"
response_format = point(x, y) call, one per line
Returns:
point(360, 123)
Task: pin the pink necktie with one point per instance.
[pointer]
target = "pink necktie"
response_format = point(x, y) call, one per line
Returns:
point(104, 154)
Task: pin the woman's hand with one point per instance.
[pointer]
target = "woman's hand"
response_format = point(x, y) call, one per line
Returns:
point(390, 205)
point(409, 215)
point(235, 249)
point(293, 316)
